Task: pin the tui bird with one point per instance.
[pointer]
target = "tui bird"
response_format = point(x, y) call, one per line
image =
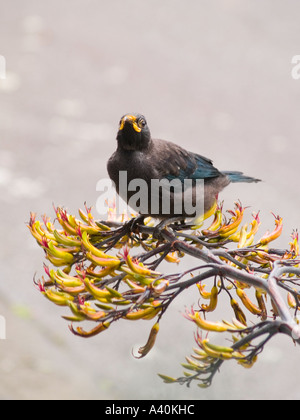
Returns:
point(140, 161)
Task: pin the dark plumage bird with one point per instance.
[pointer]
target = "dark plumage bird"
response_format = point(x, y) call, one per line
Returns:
point(141, 157)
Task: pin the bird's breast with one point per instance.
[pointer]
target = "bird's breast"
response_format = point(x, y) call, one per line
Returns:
point(132, 166)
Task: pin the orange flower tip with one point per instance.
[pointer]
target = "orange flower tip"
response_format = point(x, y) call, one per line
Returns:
point(277, 218)
point(295, 235)
point(256, 217)
point(81, 300)
point(88, 209)
point(46, 219)
point(189, 314)
point(198, 336)
point(62, 213)
point(47, 270)
point(238, 206)
point(125, 252)
point(71, 328)
point(40, 286)
point(32, 219)
point(220, 206)
point(231, 212)
point(45, 242)
point(79, 232)
point(80, 271)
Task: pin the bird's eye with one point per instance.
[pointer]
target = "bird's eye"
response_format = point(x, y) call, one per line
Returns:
point(141, 123)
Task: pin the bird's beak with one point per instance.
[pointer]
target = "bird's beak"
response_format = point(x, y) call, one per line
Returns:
point(132, 120)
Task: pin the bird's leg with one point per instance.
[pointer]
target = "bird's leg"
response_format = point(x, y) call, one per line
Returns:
point(116, 235)
point(132, 224)
point(157, 230)
point(182, 225)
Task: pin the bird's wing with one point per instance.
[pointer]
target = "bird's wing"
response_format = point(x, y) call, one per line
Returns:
point(175, 162)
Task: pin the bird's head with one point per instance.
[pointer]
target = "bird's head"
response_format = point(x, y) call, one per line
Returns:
point(133, 133)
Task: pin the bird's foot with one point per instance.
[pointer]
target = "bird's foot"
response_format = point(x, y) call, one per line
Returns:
point(114, 236)
point(162, 225)
point(132, 225)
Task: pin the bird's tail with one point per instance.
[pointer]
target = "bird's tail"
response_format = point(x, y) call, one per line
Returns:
point(235, 176)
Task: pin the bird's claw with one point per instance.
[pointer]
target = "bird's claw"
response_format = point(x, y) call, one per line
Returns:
point(157, 233)
point(133, 223)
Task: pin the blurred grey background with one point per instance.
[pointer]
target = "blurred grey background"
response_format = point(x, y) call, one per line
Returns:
point(213, 76)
